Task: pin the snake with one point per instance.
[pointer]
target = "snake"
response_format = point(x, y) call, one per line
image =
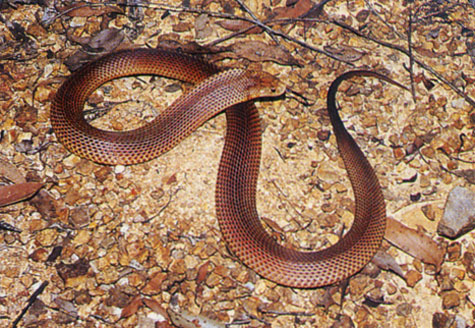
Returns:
point(234, 92)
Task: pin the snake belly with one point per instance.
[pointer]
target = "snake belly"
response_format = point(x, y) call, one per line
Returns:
point(231, 91)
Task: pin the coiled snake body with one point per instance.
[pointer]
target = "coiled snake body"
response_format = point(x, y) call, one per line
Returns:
point(231, 91)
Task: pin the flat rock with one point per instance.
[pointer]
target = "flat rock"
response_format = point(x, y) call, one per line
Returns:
point(459, 213)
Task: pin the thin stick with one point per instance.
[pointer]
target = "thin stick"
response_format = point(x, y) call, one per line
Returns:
point(411, 58)
point(31, 300)
point(225, 16)
point(258, 22)
point(406, 52)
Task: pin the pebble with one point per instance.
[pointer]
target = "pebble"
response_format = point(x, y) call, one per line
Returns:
point(450, 300)
point(458, 103)
point(412, 277)
point(459, 213)
point(118, 169)
point(404, 309)
point(441, 320)
point(454, 251)
point(460, 322)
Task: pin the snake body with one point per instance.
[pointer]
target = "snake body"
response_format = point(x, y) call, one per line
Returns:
point(231, 91)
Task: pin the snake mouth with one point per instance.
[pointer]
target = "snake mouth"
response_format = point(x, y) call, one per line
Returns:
point(264, 85)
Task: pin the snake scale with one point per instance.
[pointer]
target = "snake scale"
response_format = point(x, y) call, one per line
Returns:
point(231, 91)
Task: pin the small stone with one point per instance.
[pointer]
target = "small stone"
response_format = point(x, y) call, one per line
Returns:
point(404, 309)
point(458, 103)
point(119, 169)
point(441, 320)
point(358, 285)
point(202, 29)
point(417, 265)
point(73, 197)
point(74, 270)
point(450, 300)
point(459, 213)
point(323, 135)
point(468, 262)
point(46, 237)
point(39, 255)
point(412, 277)
point(59, 168)
point(471, 295)
point(452, 165)
point(445, 283)
point(411, 149)
point(117, 126)
point(362, 315)
point(213, 280)
point(328, 207)
point(458, 273)
point(79, 216)
point(108, 275)
point(82, 238)
point(362, 15)
point(428, 152)
point(136, 279)
point(343, 321)
point(399, 153)
point(9, 239)
point(71, 161)
point(25, 115)
point(429, 211)
point(102, 173)
point(391, 289)
point(66, 306)
point(201, 22)
point(453, 252)
point(154, 286)
point(261, 286)
point(82, 297)
point(182, 27)
point(117, 297)
point(460, 322)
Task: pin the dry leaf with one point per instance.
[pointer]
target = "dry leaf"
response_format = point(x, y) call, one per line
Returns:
point(387, 262)
point(10, 172)
point(172, 179)
point(348, 54)
point(185, 319)
point(238, 25)
point(81, 9)
point(132, 307)
point(106, 40)
point(103, 42)
point(202, 272)
point(427, 52)
point(46, 205)
point(156, 307)
point(260, 51)
point(73, 270)
point(292, 10)
point(414, 243)
point(26, 116)
point(299, 9)
point(17, 192)
point(276, 230)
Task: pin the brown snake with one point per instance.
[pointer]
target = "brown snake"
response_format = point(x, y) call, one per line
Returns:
point(231, 91)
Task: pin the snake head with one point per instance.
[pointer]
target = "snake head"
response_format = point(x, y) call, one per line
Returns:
point(262, 85)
